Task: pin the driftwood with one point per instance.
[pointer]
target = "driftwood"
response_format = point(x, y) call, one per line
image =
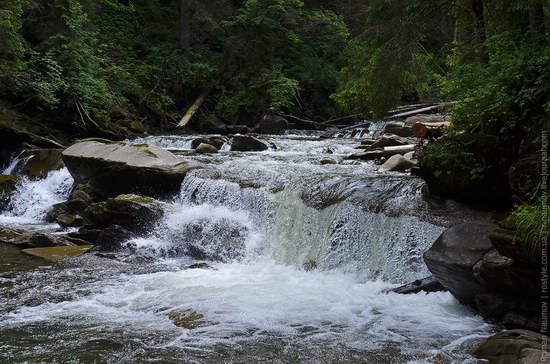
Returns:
point(422, 110)
point(424, 130)
point(429, 284)
point(193, 109)
point(404, 108)
point(385, 152)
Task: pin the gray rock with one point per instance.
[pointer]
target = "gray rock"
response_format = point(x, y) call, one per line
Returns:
point(247, 143)
point(198, 141)
point(68, 220)
point(389, 140)
point(272, 124)
point(204, 148)
point(397, 129)
point(31, 239)
point(7, 187)
point(112, 238)
point(453, 255)
point(37, 163)
point(396, 163)
point(513, 347)
point(328, 161)
point(132, 212)
point(117, 168)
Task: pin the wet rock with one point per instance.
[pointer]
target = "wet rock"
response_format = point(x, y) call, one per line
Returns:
point(30, 239)
point(502, 274)
point(218, 142)
point(310, 265)
point(513, 347)
point(350, 162)
point(453, 255)
point(220, 240)
point(68, 220)
point(247, 143)
point(58, 253)
point(328, 161)
point(113, 237)
point(388, 140)
point(85, 234)
point(115, 168)
point(396, 163)
point(398, 129)
point(37, 163)
point(368, 155)
point(7, 187)
point(204, 148)
point(201, 265)
point(272, 124)
point(132, 212)
point(187, 319)
point(198, 141)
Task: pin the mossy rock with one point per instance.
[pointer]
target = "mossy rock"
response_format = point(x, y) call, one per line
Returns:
point(7, 184)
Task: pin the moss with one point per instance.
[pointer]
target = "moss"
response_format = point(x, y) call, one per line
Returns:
point(100, 140)
point(8, 183)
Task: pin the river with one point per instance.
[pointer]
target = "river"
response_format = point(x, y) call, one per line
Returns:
point(323, 242)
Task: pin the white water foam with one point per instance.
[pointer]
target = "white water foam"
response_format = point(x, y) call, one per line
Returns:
point(33, 198)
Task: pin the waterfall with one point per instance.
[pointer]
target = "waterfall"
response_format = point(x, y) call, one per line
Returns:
point(33, 198)
point(282, 227)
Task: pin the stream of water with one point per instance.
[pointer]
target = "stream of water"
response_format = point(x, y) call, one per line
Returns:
point(323, 244)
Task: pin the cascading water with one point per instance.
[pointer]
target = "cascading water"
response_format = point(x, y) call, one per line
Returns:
point(304, 254)
point(32, 199)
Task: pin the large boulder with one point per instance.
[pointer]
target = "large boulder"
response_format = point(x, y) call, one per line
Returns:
point(37, 163)
point(453, 255)
point(117, 168)
point(247, 143)
point(132, 212)
point(272, 124)
point(513, 347)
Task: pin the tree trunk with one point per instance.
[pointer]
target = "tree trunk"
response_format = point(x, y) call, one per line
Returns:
point(479, 18)
point(185, 24)
point(424, 130)
point(537, 26)
point(193, 109)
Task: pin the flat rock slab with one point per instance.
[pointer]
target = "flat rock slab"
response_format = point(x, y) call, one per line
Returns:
point(117, 168)
point(58, 253)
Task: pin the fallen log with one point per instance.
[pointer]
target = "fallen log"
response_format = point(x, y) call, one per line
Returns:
point(192, 110)
point(422, 110)
point(424, 130)
point(429, 284)
point(385, 152)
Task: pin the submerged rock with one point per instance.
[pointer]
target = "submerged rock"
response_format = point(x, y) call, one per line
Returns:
point(453, 255)
point(221, 240)
point(117, 168)
point(247, 143)
point(132, 212)
point(58, 253)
